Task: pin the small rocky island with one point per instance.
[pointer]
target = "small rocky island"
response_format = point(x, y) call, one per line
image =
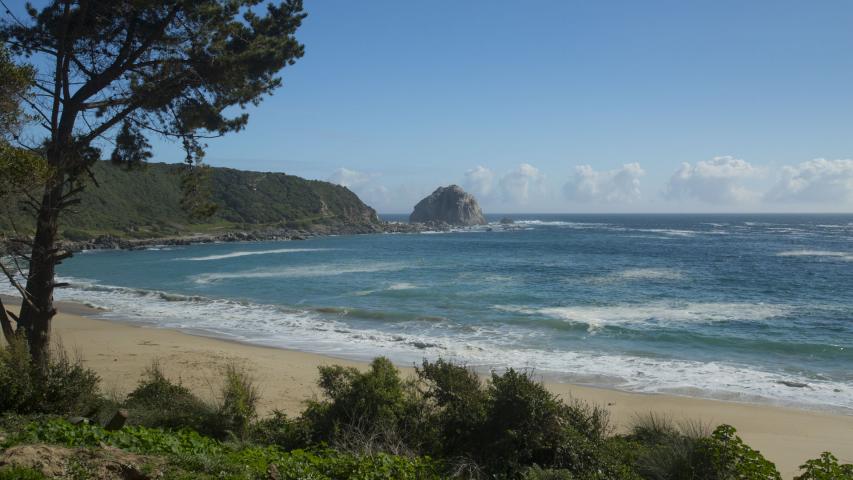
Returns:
point(450, 205)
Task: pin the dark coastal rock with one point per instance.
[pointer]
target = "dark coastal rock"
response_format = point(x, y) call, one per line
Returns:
point(507, 221)
point(450, 205)
point(791, 384)
point(109, 242)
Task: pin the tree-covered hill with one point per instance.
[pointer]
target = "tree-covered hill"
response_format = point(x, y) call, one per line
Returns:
point(147, 203)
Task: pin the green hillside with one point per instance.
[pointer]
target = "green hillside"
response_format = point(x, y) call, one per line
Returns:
point(146, 203)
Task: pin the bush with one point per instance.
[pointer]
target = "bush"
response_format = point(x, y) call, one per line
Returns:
point(665, 450)
point(498, 430)
point(157, 402)
point(278, 429)
point(825, 468)
point(724, 456)
point(527, 425)
point(688, 452)
point(365, 412)
point(522, 425)
point(239, 403)
point(538, 473)
point(16, 378)
point(457, 406)
point(63, 386)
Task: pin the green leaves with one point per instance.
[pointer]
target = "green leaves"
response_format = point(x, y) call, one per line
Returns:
point(134, 439)
point(826, 467)
point(201, 456)
point(724, 456)
point(15, 82)
point(132, 149)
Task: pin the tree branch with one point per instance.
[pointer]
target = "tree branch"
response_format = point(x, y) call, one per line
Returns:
point(105, 103)
point(17, 285)
point(102, 128)
point(6, 324)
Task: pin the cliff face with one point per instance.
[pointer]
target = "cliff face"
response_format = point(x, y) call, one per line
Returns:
point(450, 205)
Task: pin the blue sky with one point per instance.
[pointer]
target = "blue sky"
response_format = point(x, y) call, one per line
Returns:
point(566, 106)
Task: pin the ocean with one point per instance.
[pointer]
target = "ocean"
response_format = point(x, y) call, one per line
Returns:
point(755, 308)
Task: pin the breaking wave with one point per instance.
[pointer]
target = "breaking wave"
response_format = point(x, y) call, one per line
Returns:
point(252, 252)
point(653, 314)
point(485, 347)
point(301, 271)
point(847, 256)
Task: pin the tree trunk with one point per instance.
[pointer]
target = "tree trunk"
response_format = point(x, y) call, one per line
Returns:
point(36, 315)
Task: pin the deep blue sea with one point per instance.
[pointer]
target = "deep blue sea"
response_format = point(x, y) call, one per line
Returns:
point(721, 306)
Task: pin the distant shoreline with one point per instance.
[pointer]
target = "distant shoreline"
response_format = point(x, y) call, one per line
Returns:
point(111, 242)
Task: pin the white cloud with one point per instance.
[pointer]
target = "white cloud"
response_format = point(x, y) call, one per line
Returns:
point(350, 178)
point(719, 180)
point(522, 183)
point(365, 185)
point(479, 181)
point(817, 180)
point(619, 185)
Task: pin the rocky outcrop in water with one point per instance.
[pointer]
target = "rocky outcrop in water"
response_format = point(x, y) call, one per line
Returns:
point(450, 205)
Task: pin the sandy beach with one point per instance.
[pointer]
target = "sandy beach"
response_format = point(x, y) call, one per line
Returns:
point(121, 352)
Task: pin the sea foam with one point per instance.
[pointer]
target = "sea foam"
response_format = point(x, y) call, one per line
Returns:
point(637, 274)
point(300, 271)
point(252, 252)
point(486, 347)
point(653, 314)
point(483, 346)
point(846, 256)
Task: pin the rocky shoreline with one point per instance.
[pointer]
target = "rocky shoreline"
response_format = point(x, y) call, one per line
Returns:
point(110, 242)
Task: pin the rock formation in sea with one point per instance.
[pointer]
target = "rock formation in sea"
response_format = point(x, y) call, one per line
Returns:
point(450, 205)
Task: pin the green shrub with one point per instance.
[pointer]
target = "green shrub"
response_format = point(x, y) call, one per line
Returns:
point(16, 378)
point(239, 403)
point(665, 451)
point(724, 456)
point(522, 425)
point(364, 412)
point(538, 473)
point(457, 406)
point(63, 386)
point(278, 429)
point(20, 473)
point(66, 386)
point(526, 425)
point(688, 452)
point(157, 402)
point(826, 467)
point(654, 429)
point(499, 429)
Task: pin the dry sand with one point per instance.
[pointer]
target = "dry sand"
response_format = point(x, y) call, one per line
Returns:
point(120, 353)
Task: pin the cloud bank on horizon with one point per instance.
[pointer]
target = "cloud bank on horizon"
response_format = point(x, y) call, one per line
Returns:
point(719, 184)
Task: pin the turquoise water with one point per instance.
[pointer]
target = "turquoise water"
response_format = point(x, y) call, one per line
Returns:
point(722, 306)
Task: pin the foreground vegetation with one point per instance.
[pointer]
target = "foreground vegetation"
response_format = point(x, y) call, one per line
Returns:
point(444, 423)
